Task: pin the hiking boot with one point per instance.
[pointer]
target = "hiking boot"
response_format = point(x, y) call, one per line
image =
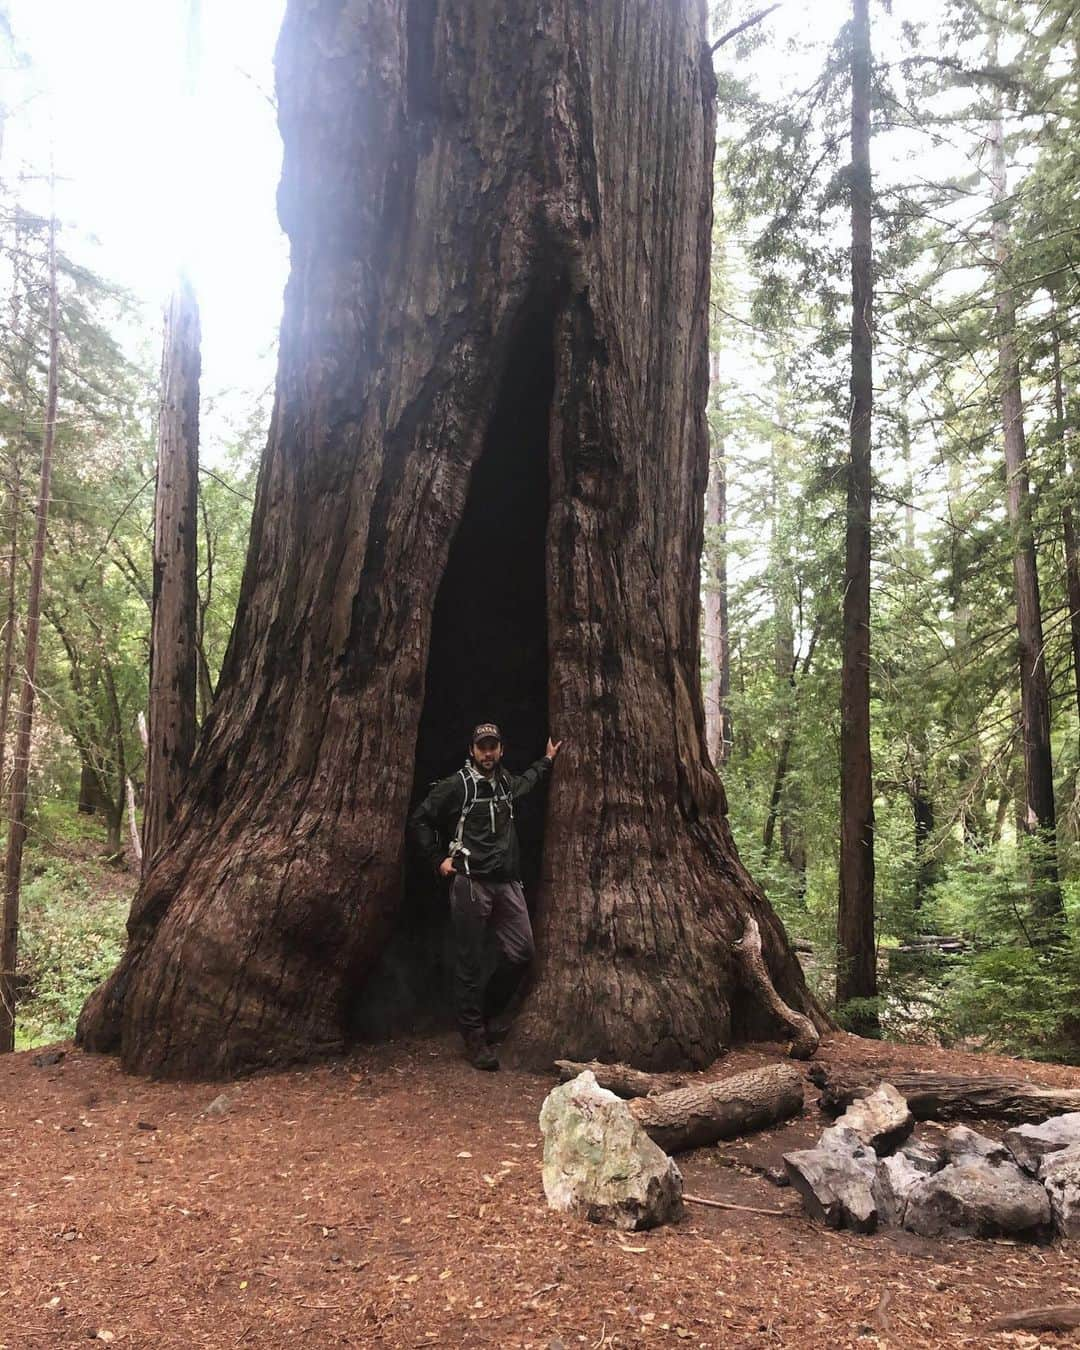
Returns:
point(479, 1054)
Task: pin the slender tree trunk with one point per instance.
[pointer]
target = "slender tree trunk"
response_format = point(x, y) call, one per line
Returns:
point(133, 826)
point(21, 759)
point(1039, 815)
point(89, 794)
point(969, 761)
point(717, 649)
point(1068, 522)
point(922, 811)
point(204, 599)
point(856, 965)
point(22, 345)
point(494, 334)
point(787, 739)
point(173, 658)
point(11, 615)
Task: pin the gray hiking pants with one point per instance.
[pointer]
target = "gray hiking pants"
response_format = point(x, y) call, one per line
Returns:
point(476, 906)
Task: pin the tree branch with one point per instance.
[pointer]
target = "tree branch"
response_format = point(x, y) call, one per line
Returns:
point(742, 27)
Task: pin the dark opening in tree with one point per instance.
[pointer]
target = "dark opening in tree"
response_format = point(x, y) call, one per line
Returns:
point(488, 662)
point(489, 658)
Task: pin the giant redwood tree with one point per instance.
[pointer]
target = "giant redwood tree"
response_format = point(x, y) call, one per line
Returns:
point(482, 496)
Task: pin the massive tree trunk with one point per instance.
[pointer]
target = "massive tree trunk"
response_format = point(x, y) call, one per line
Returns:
point(857, 956)
point(173, 663)
point(1039, 818)
point(482, 496)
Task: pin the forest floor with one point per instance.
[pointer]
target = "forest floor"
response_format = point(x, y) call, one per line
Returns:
point(393, 1199)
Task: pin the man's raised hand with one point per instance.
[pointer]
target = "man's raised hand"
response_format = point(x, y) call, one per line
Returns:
point(553, 748)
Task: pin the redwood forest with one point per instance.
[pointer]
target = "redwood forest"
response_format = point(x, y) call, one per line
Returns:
point(540, 693)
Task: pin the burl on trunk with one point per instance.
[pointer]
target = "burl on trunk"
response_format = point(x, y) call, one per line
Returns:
point(482, 493)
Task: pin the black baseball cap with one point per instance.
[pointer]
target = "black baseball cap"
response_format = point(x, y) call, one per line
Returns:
point(486, 731)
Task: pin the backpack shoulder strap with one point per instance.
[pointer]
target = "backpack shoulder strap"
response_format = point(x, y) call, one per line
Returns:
point(468, 781)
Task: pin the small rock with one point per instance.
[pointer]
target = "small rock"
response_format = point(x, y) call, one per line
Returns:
point(1031, 1143)
point(978, 1198)
point(600, 1163)
point(836, 1180)
point(881, 1119)
point(1060, 1174)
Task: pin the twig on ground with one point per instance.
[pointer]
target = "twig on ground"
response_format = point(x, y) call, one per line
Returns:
point(744, 1209)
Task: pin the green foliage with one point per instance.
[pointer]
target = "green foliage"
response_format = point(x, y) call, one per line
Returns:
point(71, 933)
point(951, 857)
point(1019, 1001)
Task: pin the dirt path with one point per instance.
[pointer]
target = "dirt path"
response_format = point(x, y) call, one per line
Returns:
point(394, 1200)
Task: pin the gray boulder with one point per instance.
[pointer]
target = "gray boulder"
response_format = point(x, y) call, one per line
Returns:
point(836, 1180)
point(881, 1119)
point(978, 1198)
point(1031, 1143)
point(600, 1163)
point(1060, 1174)
point(896, 1177)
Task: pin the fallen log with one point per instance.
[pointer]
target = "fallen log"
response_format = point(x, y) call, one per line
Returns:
point(620, 1078)
point(1062, 1317)
point(946, 1096)
point(702, 1113)
point(805, 1036)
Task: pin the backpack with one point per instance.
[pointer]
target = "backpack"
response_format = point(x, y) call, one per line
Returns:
point(471, 778)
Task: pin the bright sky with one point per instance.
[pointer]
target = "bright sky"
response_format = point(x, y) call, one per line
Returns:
point(106, 88)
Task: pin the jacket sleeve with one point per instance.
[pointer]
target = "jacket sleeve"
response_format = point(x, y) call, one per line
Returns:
point(525, 782)
point(432, 815)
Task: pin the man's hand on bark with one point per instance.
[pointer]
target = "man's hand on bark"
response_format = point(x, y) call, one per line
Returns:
point(553, 748)
point(446, 867)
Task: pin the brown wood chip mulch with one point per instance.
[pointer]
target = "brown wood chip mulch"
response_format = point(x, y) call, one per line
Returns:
point(394, 1199)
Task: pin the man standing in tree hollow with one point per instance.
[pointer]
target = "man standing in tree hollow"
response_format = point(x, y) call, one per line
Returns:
point(474, 810)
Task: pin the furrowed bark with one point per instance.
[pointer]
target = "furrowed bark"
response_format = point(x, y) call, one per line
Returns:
point(702, 1113)
point(936, 1096)
point(473, 303)
point(856, 976)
